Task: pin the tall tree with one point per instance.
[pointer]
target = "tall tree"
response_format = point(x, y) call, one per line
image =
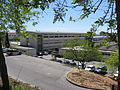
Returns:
point(13, 16)
point(3, 69)
point(118, 32)
point(7, 43)
point(111, 16)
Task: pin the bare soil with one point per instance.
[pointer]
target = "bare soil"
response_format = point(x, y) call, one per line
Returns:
point(90, 79)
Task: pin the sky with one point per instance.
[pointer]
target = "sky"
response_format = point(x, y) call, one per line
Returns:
point(82, 26)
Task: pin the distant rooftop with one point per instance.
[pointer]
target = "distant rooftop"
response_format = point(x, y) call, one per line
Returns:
point(22, 47)
point(57, 32)
point(100, 37)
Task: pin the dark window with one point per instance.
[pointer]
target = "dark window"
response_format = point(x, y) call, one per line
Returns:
point(45, 36)
point(56, 36)
point(51, 36)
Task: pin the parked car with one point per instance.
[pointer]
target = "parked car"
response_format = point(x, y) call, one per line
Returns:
point(101, 70)
point(13, 52)
point(73, 63)
point(45, 53)
point(66, 62)
point(40, 56)
point(90, 68)
point(5, 50)
point(116, 74)
point(40, 53)
point(60, 61)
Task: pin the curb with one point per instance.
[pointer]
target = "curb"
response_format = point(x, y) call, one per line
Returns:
point(74, 83)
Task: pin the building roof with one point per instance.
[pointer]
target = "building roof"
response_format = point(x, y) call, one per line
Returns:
point(22, 47)
point(103, 37)
point(56, 32)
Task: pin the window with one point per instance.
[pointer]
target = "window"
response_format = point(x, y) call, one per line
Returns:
point(56, 36)
point(51, 36)
point(45, 36)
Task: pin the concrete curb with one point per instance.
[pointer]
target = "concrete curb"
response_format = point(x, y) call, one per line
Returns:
point(74, 83)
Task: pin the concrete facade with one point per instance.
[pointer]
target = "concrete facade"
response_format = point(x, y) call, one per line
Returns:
point(13, 35)
point(48, 41)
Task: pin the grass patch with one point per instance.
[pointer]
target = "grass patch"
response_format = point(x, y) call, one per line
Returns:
point(15, 85)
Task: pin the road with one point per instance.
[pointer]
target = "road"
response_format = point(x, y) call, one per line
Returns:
point(45, 74)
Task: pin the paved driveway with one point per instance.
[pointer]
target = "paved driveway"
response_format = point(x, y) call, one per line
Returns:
point(47, 75)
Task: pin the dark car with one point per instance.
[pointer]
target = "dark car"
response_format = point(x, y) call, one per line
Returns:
point(66, 62)
point(60, 61)
point(11, 52)
point(73, 63)
point(101, 70)
point(45, 53)
point(40, 53)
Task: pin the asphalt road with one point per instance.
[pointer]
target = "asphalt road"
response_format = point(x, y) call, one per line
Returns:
point(45, 74)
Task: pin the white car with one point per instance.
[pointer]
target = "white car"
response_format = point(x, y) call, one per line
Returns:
point(11, 52)
point(90, 68)
point(116, 74)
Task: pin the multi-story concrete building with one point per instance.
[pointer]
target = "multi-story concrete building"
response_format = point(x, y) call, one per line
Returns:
point(47, 41)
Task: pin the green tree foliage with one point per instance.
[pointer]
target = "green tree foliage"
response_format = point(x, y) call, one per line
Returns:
point(81, 50)
point(13, 16)
point(112, 37)
point(112, 61)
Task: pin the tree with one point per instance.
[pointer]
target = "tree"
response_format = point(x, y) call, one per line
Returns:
point(81, 50)
point(3, 70)
point(112, 61)
point(112, 37)
point(7, 43)
point(111, 16)
point(13, 16)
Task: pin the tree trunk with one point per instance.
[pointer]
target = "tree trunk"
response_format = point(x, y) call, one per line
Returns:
point(7, 44)
point(3, 70)
point(118, 32)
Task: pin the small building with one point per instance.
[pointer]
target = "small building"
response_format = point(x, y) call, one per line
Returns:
point(25, 50)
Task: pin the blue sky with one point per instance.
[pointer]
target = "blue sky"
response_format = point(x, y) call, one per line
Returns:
point(46, 23)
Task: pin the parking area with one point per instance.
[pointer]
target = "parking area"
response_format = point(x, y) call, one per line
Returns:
point(41, 72)
point(93, 66)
